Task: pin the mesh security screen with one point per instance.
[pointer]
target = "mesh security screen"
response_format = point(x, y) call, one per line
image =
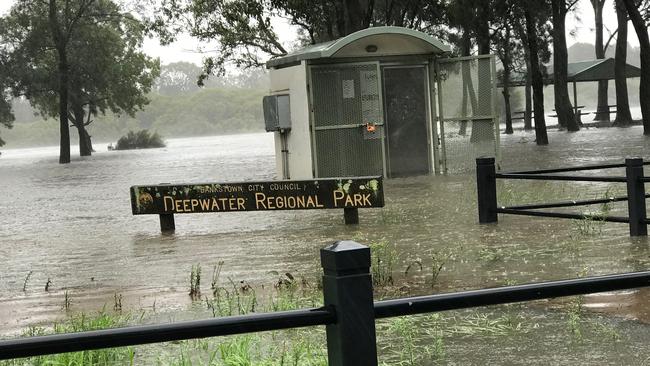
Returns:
point(344, 99)
point(466, 107)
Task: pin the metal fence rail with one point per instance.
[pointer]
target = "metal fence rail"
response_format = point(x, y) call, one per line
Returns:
point(534, 206)
point(145, 334)
point(488, 208)
point(349, 313)
point(573, 178)
point(510, 294)
point(575, 168)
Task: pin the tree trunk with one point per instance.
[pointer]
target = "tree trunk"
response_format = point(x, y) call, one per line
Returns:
point(64, 148)
point(603, 101)
point(506, 79)
point(623, 115)
point(483, 130)
point(357, 15)
point(541, 138)
point(468, 84)
point(61, 48)
point(85, 145)
point(564, 110)
point(644, 88)
point(528, 114)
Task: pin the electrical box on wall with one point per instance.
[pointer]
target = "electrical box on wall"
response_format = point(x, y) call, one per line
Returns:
point(277, 112)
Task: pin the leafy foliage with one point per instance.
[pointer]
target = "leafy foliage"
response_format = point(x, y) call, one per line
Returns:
point(142, 139)
point(245, 36)
point(83, 54)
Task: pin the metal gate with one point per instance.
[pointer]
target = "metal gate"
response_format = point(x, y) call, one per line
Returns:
point(347, 120)
point(468, 118)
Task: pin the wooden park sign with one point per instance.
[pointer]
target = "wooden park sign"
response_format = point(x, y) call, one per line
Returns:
point(348, 194)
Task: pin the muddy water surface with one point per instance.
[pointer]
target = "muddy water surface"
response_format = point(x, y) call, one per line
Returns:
point(72, 224)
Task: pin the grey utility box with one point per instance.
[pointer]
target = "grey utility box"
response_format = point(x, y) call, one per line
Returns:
point(277, 113)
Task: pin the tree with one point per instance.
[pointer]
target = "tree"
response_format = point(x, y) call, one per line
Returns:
point(563, 108)
point(623, 115)
point(6, 117)
point(91, 48)
point(507, 49)
point(641, 29)
point(603, 103)
point(178, 78)
point(246, 38)
point(532, 40)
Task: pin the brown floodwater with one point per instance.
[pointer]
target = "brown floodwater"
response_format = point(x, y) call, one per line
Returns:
point(72, 224)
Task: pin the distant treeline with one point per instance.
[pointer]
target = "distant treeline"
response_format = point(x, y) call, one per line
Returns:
point(198, 113)
point(177, 108)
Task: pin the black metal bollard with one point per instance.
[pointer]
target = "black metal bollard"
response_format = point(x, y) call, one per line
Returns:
point(486, 187)
point(347, 286)
point(167, 224)
point(636, 197)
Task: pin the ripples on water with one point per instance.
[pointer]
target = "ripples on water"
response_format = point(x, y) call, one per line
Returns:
point(73, 224)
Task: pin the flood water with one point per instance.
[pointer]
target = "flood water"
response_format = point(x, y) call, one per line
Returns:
point(72, 224)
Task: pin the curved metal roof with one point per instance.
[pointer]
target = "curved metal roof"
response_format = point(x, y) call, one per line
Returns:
point(396, 41)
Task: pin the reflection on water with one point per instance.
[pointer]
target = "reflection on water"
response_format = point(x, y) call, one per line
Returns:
point(72, 224)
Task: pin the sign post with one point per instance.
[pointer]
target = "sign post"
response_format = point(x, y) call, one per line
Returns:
point(348, 194)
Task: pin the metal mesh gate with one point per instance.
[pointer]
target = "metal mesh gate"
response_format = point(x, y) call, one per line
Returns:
point(466, 103)
point(345, 98)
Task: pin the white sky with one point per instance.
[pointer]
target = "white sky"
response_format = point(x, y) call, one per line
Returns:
point(186, 48)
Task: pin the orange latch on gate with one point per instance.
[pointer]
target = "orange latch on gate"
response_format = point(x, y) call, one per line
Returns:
point(370, 127)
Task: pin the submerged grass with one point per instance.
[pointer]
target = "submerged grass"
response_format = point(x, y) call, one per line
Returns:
point(79, 323)
point(408, 340)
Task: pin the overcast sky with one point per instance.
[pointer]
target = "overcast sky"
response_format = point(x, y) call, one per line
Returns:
point(186, 48)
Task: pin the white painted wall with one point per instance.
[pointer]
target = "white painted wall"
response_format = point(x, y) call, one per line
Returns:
point(293, 81)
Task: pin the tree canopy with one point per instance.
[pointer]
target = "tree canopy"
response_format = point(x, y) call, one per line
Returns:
point(75, 59)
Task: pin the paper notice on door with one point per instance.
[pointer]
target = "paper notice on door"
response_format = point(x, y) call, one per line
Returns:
point(348, 89)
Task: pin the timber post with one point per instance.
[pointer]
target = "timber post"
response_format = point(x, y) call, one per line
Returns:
point(486, 187)
point(636, 197)
point(347, 288)
point(351, 215)
point(167, 224)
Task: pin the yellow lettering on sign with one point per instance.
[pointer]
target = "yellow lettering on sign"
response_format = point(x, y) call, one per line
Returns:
point(195, 204)
point(177, 205)
point(366, 199)
point(240, 203)
point(259, 200)
point(215, 205)
point(269, 203)
point(205, 204)
point(348, 201)
point(357, 200)
point(338, 196)
point(300, 202)
point(291, 202)
point(223, 203)
point(318, 204)
point(186, 205)
point(165, 201)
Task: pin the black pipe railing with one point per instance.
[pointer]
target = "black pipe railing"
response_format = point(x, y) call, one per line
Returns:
point(510, 294)
point(145, 334)
point(571, 169)
point(573, 178)
point(349, 313)
point(565, 215)
point(575, 168)
point(534, 206)
point(488, 208)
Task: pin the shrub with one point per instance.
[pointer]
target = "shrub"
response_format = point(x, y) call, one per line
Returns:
point(142, 139)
